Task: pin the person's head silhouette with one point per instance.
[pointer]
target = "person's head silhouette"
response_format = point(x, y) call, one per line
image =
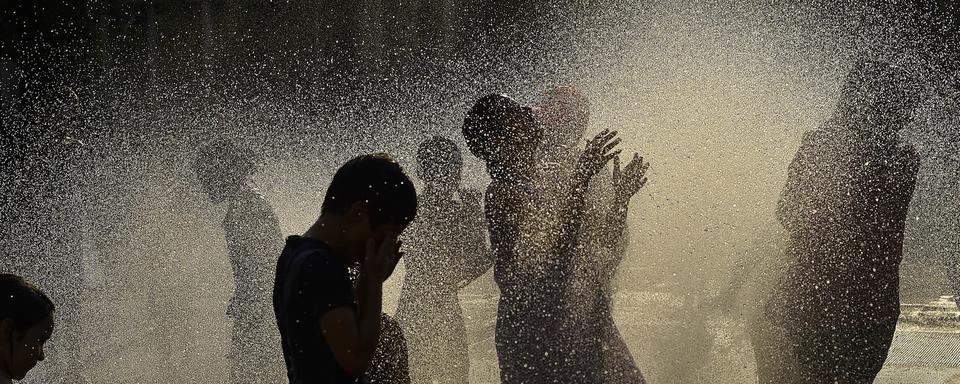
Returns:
point(880, 96)
point(503, 134)
point(223, 168)
point(26, 323)
point(564, 112)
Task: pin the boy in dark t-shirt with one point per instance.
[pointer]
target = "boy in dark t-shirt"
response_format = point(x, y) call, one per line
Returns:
point(330, 329)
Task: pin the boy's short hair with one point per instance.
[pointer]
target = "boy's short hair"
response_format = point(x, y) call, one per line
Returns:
point(438, 156)
point(380, 181)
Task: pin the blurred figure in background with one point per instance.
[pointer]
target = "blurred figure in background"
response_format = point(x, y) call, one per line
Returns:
point(447, 251)
point(832, 316)
point(253, 243)
point(564, 114)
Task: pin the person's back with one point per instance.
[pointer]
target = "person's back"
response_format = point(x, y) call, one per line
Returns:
point(307, 273)
point(329, 329)
point(253, 239)
point(848, 249)
point(844, 207)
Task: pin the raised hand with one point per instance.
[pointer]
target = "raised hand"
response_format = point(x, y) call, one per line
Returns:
point(596, 155)
point(381, 261)
point(627, 182)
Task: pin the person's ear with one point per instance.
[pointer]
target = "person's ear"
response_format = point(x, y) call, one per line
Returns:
point(359, 211)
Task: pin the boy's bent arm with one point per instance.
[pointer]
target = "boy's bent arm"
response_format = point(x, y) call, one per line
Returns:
point(353, 336)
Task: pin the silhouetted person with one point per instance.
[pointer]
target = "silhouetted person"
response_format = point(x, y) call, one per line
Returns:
point(843, 206)
point(330, 331)
point(253, 241)
point(446, 251)
point(26, 323)
point(601, 354)
point(533, 278)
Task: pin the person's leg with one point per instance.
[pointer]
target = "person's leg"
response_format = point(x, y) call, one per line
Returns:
point(456, 342)
point(518, 341)
point(418, 350)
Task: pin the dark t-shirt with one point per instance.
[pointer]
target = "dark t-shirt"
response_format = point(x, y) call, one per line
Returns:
point(310, 281)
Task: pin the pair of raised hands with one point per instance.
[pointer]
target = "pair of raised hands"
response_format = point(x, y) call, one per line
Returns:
point(598, 153)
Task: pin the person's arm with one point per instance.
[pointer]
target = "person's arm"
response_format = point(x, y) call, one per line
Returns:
point(353, 336)
point(626, 184)
point(479, 258)
point(596, 155)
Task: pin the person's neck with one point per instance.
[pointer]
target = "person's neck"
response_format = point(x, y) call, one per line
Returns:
point(510, 175)
point(330, 230)
point(241, 192)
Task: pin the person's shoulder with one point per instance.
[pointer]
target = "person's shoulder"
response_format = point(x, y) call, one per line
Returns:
point(311, 254)
point(257, 205)
point(251, 208)
point(814, 137)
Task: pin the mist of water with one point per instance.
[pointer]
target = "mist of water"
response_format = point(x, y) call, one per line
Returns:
point(715, 95)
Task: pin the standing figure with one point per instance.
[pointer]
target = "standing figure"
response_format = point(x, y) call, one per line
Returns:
point(533, 279)
point(602, 354)
point(333, 329)
point(447, 251)
point(832, 316)
point(253, 241)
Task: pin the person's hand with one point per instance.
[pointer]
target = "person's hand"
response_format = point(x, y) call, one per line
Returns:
point(380, 261)
point(627, 182)
point(596, 155)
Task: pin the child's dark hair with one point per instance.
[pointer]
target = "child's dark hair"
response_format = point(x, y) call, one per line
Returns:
point(380, 181)
point(487, 124)
point(437, 156)
point(22, 302)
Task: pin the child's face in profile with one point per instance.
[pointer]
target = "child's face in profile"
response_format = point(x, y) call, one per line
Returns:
point(27, 348)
